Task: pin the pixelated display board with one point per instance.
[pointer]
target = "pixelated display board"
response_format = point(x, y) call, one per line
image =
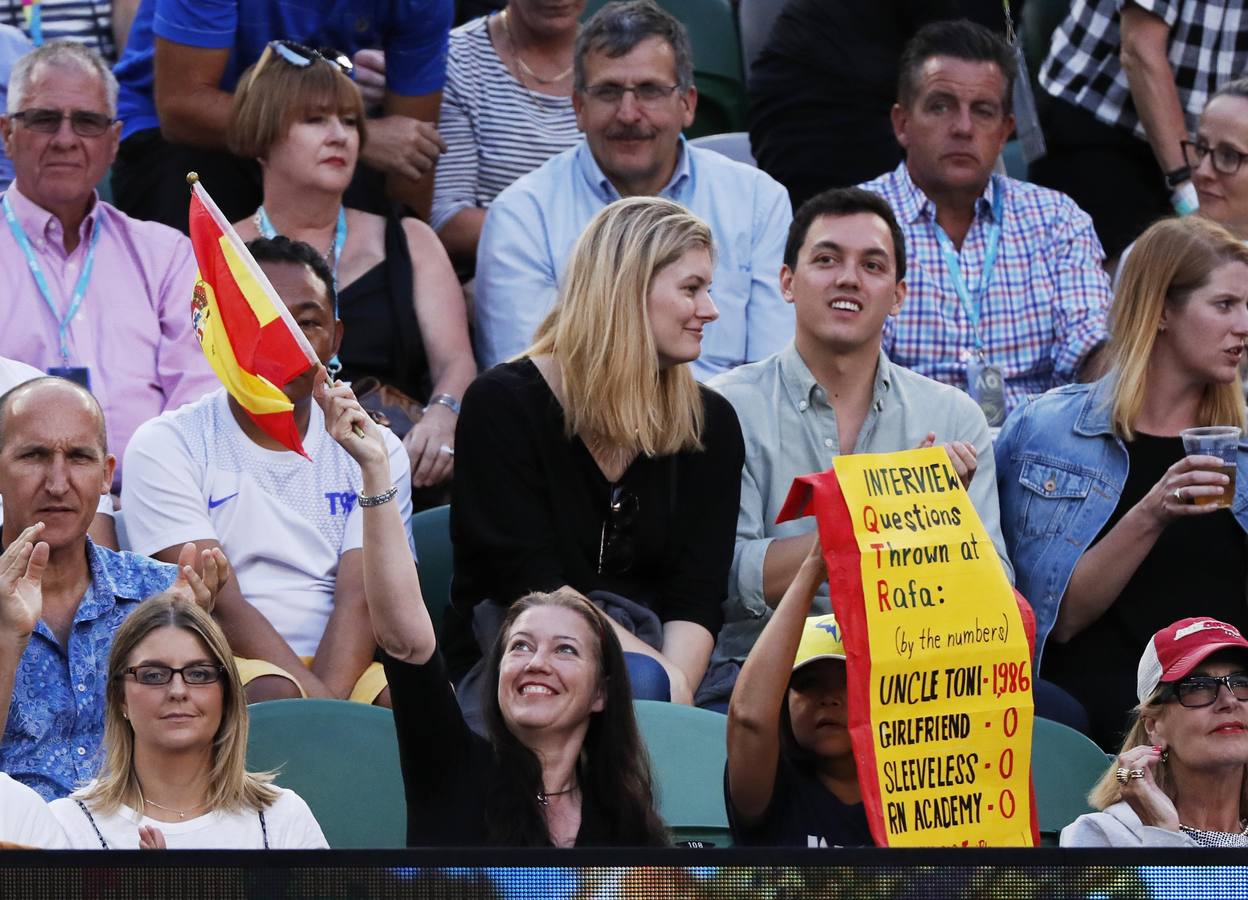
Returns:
point(938, 649)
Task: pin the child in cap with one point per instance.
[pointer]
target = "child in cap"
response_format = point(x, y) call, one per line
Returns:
point(1181, 779)
point(791, 778)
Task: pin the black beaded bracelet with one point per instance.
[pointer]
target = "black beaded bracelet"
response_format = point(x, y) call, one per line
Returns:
point(378, 499)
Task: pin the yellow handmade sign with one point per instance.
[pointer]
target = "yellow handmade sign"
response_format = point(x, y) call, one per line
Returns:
point(937, 648)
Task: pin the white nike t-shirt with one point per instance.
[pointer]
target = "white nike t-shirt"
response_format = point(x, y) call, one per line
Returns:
point(283, 522)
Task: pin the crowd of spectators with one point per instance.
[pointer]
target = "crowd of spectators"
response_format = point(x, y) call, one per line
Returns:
point(612, 350)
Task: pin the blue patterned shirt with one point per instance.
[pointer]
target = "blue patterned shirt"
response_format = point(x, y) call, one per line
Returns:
point(52, 740)
point(1046, 304)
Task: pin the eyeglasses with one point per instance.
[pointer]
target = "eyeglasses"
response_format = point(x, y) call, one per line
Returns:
point(1226, 160)
point(302, 57)
point(192, 676)
point(48, 121)
point(648, 93)
point(1202, 690)
point(615, 549)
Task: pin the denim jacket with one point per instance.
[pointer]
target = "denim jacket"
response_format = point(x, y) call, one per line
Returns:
point(1060, 473)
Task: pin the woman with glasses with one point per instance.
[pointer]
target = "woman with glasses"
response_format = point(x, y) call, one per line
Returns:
point(1181, 779)
point(1217, 156)
point(1113, 530)
point(562, 763)
point(175, 747)
point(595, 462)
point(506, 109)
point(405, 325)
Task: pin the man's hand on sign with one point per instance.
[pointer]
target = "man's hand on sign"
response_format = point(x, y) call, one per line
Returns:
point(1141, 792)
point(961, 454)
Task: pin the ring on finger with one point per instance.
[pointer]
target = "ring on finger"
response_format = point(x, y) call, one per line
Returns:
point(1122, 775)
point(1178, 494)
point(447, 449)
point(1135, 773)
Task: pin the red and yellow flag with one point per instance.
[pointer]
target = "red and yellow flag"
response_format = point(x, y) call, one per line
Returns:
point(249, 337)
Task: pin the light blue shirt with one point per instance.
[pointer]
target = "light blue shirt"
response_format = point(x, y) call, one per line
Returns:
point(531, 228)
point(790, 429)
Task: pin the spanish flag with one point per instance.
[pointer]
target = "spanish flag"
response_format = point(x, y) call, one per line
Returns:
point(249, 337)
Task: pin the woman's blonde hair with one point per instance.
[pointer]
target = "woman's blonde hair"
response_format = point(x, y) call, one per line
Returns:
point(1171, 260)
point(1108, 791)
point(599, 331)
point(273, 94)
point(230, 786)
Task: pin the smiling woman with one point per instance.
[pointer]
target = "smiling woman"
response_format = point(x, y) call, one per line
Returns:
point(1181, 779)
point(175, 739)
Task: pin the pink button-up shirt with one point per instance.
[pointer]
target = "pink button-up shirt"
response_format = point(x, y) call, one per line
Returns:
point(133, 329)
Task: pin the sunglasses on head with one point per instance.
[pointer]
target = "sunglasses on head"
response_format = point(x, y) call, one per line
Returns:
point(300, 56)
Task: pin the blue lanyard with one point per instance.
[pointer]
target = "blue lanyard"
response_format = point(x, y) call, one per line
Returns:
point(266, 229)
point(974, 310)
point(80, 289)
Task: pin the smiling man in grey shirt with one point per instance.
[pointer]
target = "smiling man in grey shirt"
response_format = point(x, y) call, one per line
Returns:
point(832, 391)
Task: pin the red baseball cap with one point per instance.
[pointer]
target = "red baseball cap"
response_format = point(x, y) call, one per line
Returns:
point(1177, 649)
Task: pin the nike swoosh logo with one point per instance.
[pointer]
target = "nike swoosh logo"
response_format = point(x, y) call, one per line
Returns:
point(213, 504)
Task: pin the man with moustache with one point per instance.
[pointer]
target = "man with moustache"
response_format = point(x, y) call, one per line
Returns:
point(633, 93)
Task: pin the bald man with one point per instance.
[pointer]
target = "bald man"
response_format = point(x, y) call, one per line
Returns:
point(62, 597)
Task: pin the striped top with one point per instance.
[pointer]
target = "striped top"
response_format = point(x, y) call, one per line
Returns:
point(88, 21)
point(495, 128)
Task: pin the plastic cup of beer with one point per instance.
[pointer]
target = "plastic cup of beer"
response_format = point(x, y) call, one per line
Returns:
point(1221, 441)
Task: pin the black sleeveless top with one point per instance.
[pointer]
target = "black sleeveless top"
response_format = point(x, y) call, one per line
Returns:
point(381, 337)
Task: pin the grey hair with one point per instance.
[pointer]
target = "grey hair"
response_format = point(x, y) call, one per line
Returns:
point(619, 27)
point(63, 53)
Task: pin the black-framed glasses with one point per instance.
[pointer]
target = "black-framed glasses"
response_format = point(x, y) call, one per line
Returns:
point(646, 93)
point(302, 57)
point(616, 547)
point(1196, 691)
point(1225, 160)
point(48, 121)
point(192, 676)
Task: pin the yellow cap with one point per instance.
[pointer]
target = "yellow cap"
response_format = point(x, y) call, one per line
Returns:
point(821, 639)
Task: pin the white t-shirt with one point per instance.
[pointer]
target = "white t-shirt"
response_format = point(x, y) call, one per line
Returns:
point(283, 522)
point(25, 819)
point(289, 823)
point(13, 373)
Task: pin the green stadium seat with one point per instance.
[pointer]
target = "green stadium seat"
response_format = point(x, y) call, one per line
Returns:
point(1064, 766)
point(432, 535)
point(688, 749)
point(717, 68)
point(342, 758)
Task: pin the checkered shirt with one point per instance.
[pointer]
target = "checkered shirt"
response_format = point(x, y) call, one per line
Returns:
point(1046, 305)
point(1208, 48)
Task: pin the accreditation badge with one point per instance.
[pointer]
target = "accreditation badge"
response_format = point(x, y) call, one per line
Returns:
point(986, 386)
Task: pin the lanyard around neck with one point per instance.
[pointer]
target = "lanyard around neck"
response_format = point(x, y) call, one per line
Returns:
point(266, 229)
point(41, 282)
point(974, 309)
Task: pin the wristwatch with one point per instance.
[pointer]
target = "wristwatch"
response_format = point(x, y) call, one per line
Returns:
point(1178, 176)
point(443, 400)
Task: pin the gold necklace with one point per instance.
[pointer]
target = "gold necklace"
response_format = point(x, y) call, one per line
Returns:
point(179, 813)
point(524, 67)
